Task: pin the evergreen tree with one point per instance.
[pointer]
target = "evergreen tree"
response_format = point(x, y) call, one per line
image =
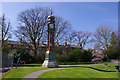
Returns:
point(112, 50)
point(114, 40)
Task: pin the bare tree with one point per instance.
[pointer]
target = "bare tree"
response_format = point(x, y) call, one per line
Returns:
point(6, 34)
point(62, 29)
point(82, 38)
point(6, 27)
point(70, 38)
point(32, 26)
point(0, 28)
point(102, 36)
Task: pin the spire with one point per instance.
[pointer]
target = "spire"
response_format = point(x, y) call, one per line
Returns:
point(51, 10)
point(51, 16)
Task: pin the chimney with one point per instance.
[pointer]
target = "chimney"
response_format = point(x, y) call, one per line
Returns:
point(42, 42)
point(79, 44)
point(65, 43)
point(57, 43)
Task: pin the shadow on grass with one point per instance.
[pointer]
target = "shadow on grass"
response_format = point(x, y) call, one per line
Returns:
point(61, 79)
point(25, 65)
point(93, 68)
point(5, 70)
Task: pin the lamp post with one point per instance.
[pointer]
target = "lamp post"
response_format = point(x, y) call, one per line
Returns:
point(50, 60)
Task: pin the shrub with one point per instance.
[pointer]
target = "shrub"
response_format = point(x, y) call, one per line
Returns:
point(38, 58)
point(75, 55)
point(78, 55)
point(99, 55)
point(105, 58)
point(24, 54)
point(87, 56)
point(64, 58)
point(113, 52)
point(57, 57)
point(58, 50)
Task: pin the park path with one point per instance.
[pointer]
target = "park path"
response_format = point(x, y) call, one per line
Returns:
point(34, 75)
point(0, 74)
point(4, 70)
point(115, 61)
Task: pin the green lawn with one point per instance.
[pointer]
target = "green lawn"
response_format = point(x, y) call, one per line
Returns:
point(21, 72)
point(83, 71)
point(74, 71)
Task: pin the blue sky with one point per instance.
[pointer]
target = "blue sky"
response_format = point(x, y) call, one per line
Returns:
point(84, 16)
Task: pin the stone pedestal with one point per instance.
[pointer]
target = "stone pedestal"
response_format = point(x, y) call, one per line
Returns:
point(50, 64)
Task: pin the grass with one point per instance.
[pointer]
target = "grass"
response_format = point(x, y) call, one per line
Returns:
point(83, 71)
point(117, 59)
point(74, 63)
point(21, 72)
point(78, 63)
point(74, 71)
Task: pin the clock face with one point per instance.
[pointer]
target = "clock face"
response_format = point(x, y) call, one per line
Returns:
point(51, 25)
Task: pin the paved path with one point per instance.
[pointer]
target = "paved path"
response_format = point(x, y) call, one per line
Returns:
point(0, 74)
point(114, 61)
point(34, 75)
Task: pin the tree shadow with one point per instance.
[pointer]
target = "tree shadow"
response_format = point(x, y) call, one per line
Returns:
point(93, 68)
point(25, 65)
point(5, 70)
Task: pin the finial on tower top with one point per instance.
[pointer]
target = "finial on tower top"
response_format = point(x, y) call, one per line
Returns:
point(51, 16)
point(51, 10)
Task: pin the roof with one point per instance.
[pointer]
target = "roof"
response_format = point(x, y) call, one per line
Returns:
point(42, 45)
point(14, 42)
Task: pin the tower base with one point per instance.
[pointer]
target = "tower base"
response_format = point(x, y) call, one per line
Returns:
point(50, 64)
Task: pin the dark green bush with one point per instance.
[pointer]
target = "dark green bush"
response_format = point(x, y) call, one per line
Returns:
point(39, 58)
point(57, 57)
point(78, 55)
point(58, 50)
point(87, 56)
point(23, 53)
point(64, 58)
point(113, 52)
point(105, 58)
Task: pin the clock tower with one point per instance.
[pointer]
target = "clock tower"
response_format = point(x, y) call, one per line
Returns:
point(50, 60)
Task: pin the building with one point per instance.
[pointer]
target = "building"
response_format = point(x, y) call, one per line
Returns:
point(65, 47)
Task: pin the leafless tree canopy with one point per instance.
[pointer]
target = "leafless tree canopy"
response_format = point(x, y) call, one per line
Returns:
point(70, 38)
point(33, 27)
point(6, 27)
point(102, 36)
point(82, 38)
point(0, 28)
point(62, 29)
